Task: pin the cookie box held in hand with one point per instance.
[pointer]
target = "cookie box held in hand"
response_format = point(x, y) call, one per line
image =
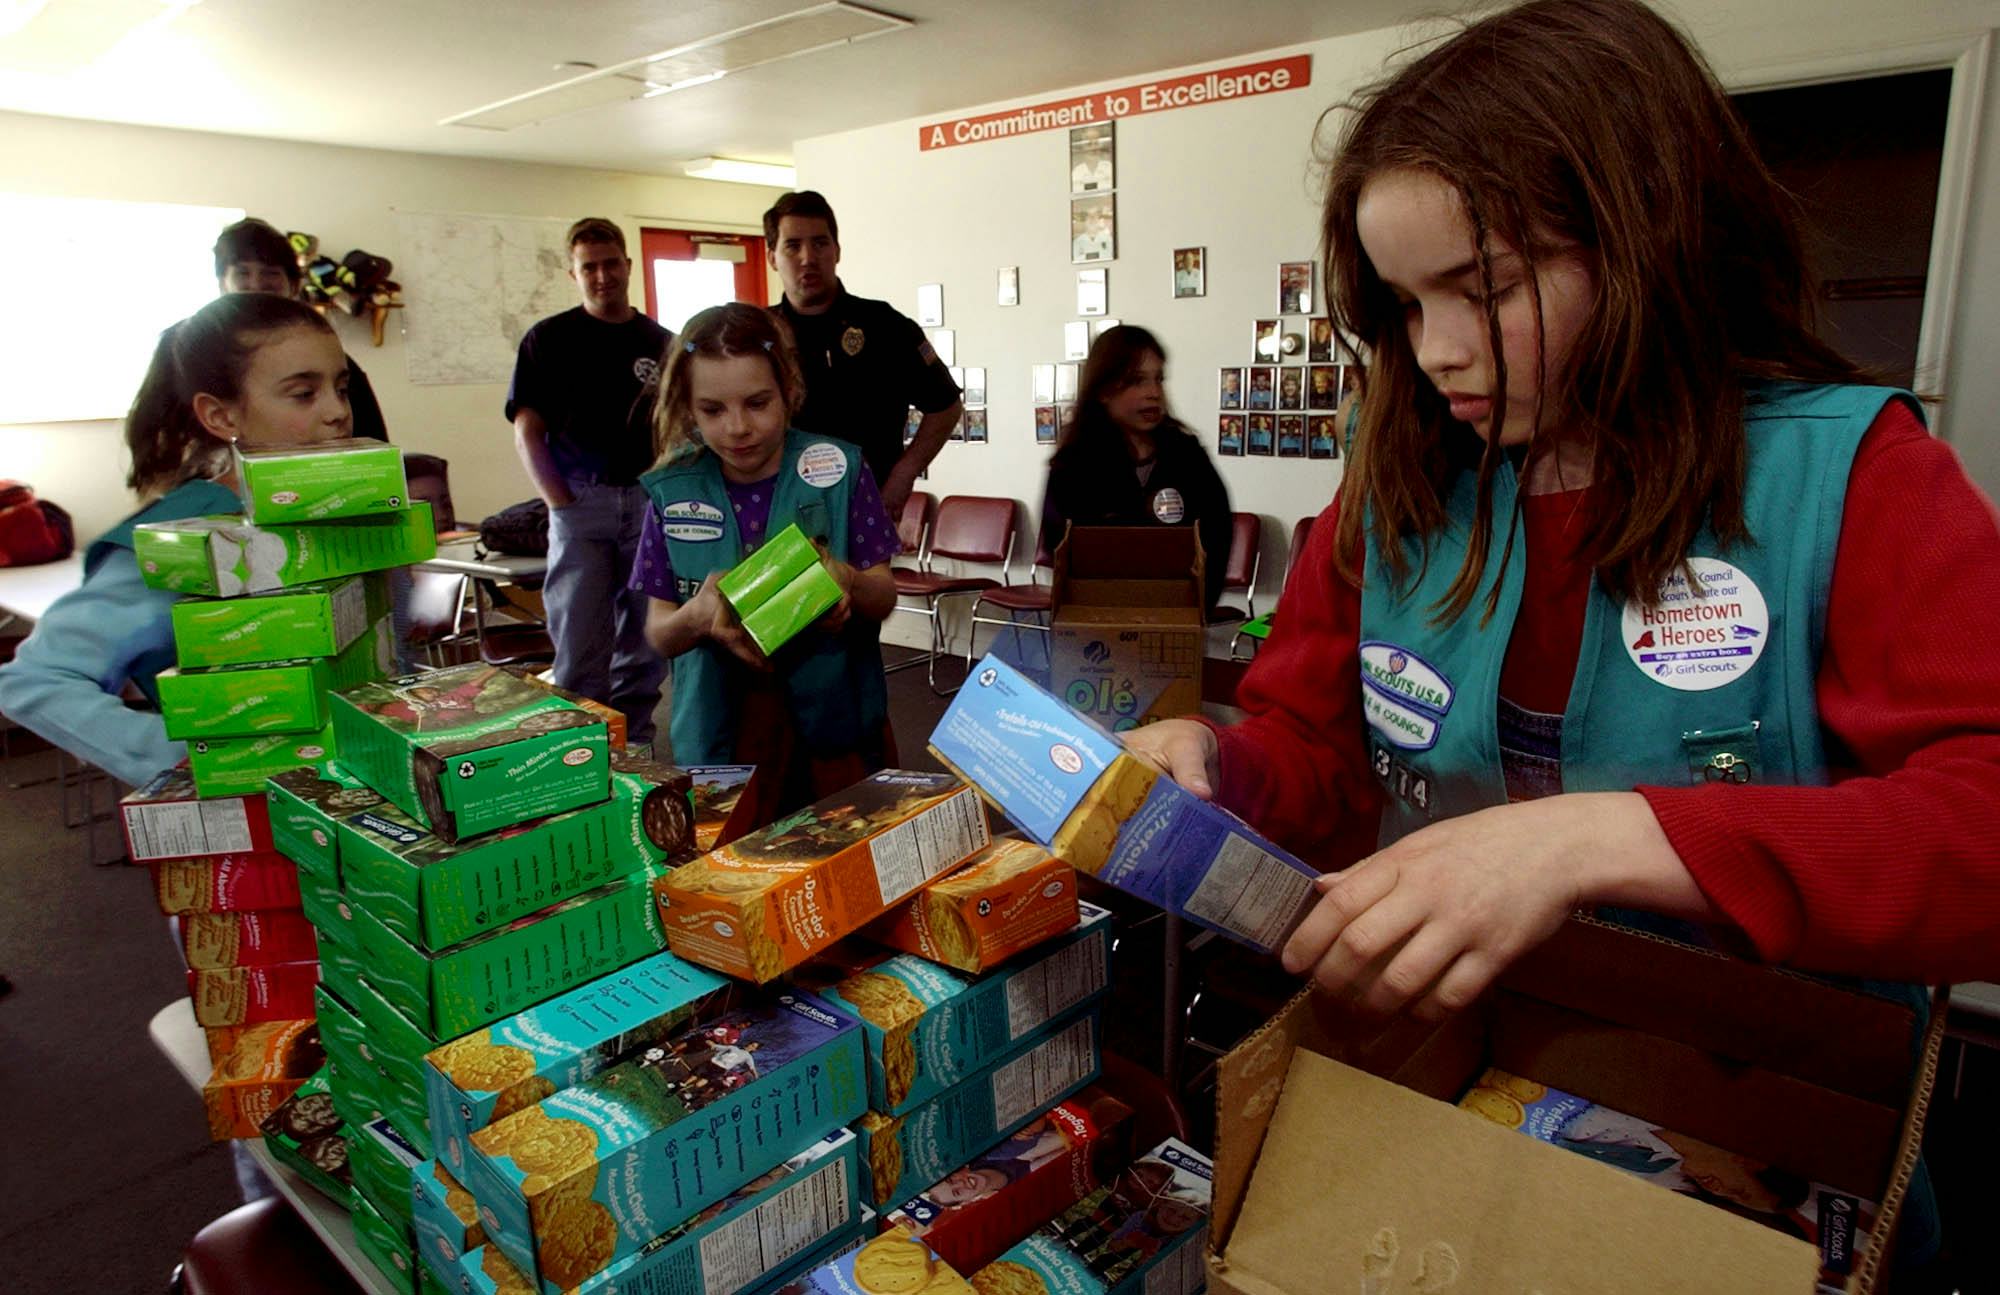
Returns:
point(929, 1027)
point(316, 620)
point(240, 766)
point(1069, 785)
point(580, 1180)
point(166, 819)
point(267, 1065)
point(757, 1230)
point(774, 898)
point(1010, 896)
point(275, 697)
point(211, 941)
point(779, 590)
point(471, 748)
point(435, 893)
point(892, 1261)
point(516, 1062)
point(227, 556)
point(307, 1136)
point(1144, 1232)
point(349, 477)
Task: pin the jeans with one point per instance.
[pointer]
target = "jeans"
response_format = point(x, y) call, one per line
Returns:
point(598, 624)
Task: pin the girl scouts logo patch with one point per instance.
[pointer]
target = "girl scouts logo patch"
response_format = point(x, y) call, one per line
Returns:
point(822, 465)
point(691, 520)
point(1701, 637)
point(1169, 507)
point(1404, 696)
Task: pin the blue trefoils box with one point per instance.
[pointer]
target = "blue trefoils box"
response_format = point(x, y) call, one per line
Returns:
point(1069, 786)
point(929, 1026)
point(583, 1178)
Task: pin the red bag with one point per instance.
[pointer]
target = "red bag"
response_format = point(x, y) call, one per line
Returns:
point(32, 530)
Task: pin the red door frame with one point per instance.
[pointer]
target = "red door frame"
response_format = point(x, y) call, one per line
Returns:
point(680, 244)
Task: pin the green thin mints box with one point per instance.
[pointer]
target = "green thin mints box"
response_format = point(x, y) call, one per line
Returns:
point(385, 1168)
point(227, 556)
point(493, 1072)
point(304, 804)
point(435, 893)
point(390, 1247)
point(312, 621)
point(284, 697)
point(307, 1135)
point(353, 477)
point(396, 1046)
point(239, 766)
point(471, 748)
point(332, 919)
point(502, 971)
point(780, 589)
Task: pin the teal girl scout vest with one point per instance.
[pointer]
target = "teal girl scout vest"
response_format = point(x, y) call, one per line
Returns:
point(198, 498)
point(835, 683)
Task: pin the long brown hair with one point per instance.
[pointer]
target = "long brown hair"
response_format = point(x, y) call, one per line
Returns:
point(1114, 357)
point(721, 332)
point(1591, 123)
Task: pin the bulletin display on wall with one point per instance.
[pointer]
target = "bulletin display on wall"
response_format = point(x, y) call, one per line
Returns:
point(1093, 292)
point(1190, 272)
point(1229, 389)
point(1291, 436)
point(930, 305)
point(945, 342)
point(975, 426)
point(1093, 162)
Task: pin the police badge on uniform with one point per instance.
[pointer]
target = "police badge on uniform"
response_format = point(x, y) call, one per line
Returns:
point(851, 340)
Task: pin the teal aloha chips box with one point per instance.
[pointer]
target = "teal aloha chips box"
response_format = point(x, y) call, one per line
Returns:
point(446, 1221)
point(513, 1063)
point(1070, 788)
point(472, 748)
point(306, 1135)
point(575, 1183)
point(351, 477)
point(239, 766)
point(1146, 1233)
point(435, 893)
point(276, 697)
point(902, 1155)
point(447, 993)
point(311, 621)
point(780, 589)
point(762, 1226)
point(929, 1027)
point(226, 556)
point(386, 1244)
point(385, 1167)
point(304, 805)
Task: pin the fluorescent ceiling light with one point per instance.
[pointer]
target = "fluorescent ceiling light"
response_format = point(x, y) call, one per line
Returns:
point(804, 31)
point(728, 168)
point(54, 37)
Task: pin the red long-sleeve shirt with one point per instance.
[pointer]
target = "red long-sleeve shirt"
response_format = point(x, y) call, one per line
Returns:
point(1893, 871)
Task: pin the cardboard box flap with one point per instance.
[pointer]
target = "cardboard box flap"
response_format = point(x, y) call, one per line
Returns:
point(1128, 552)
point(1839, 1037)
point(1364, 1183)
point(1148, 607)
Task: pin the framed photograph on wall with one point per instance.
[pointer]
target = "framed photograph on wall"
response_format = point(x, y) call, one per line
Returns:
point(958, 428)
point(1063, 414)
point(1229, 389)
point(1093, 228)
point(1229, 435)
point(1291, 388)
point(1099, 327)
point(1190, 272)
point(1295, 288)
point(1263, 437)
point(945, 342)
point(1322, 437)
point(1045, 424)
point(1323, 386)
point(911, 422)
point(1291, 436)
point(1319, 341)
point(1093, 161)
point(1042, 383)
point(974, 386)
point(1265, 341)
point(1093, 292)
point(1066, 375)
point(975, 426)
point(930, 305)
point(1076, 340)
point(1008, 292)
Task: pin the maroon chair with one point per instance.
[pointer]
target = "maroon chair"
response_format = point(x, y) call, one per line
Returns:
point(263, 1248)
point(1031, 599)
point(968, 528)
point(914, 526)
point(1239, 574)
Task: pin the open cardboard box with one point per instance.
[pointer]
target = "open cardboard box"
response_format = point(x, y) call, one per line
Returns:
point(1341, 1159)
point(1125, 634)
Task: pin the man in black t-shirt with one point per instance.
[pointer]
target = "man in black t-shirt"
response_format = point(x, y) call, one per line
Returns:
point(865, 362)
point(584, 437)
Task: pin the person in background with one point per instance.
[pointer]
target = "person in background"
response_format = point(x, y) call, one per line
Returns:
point(584, 436)
point(732, 473)
point(254, 369)
point(252, 256)
point(865, 363)
point(1125, 460)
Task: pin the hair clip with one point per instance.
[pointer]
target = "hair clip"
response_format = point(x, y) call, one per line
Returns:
point(688, 347)
point(767, 346)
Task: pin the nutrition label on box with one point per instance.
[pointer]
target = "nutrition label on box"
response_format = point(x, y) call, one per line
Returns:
point(1033, 1082)
point(1250, 893)
point(179, 829)
point(908, 856)
point(1053, 986)
point(737, 1254)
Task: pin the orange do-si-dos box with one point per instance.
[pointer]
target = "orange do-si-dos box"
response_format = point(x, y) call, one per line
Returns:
point(1010, 896)
point(757, 907)
point(267, 1064)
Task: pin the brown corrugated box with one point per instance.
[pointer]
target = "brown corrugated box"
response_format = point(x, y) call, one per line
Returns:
point(1347, 1137)
point(1125, 635)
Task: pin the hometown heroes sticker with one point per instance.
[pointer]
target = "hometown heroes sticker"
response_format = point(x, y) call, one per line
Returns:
point(1702, 637)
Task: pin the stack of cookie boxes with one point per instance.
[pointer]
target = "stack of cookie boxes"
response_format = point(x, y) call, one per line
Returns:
point(478, 848)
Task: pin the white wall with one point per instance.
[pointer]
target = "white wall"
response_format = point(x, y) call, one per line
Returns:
point(348, 197)
point(1235, 176)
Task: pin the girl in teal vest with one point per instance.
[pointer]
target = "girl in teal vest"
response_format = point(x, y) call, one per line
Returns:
point(731, 473)
point(1633, 595)
point(250, 367)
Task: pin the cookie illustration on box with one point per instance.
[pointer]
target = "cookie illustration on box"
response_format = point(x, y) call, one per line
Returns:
point(820, 831)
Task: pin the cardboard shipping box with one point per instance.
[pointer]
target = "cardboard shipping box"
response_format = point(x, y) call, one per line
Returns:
point(1127, 623)
point(1360, 1147)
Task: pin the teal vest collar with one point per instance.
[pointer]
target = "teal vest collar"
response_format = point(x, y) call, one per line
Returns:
point(198, 498)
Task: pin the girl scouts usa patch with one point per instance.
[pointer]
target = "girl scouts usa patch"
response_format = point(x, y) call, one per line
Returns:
point(1702, 637)
point(692, 520)
point(1404, 696)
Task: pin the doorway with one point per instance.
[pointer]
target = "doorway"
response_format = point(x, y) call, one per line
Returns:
point(690, 270)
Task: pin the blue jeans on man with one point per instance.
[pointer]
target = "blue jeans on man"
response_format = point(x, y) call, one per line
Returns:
point(597, 622)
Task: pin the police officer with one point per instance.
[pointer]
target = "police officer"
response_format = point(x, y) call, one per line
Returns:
point(865, 362)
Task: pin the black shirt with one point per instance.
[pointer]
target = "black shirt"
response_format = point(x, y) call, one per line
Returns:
point(584, 376)
point(1099, 485)
point(865, 364)
point(361, 402)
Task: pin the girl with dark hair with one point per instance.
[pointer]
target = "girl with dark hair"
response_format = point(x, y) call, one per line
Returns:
point(252, 368)
point(1633, 594)
point(1125, 460)
point(731, 473)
